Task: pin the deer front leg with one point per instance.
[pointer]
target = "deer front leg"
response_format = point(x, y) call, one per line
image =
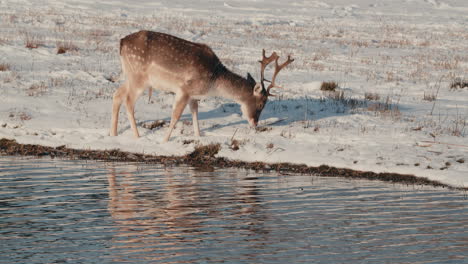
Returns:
point(180, 103)
point(194, 109)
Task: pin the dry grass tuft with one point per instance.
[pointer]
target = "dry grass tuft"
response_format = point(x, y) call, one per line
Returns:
point(56, 81)
point(429, 97)
point(341, 101)
point(188, 141)
point(155, 124)
point(112, 78)
point(235, 144)
point(336, 95)
point(32, 41)
point(65, 46)
point(329, 86)
point(23, 116)
point(101, 33)
point(5, 67)
point(458, 126)
point(4, 40)
point(386, 108)
point(202, 152)
point(37, 89)
point(312, 65)
point(98, 38)
point(458, 83)
point(262, 129)
point(321, 54)
point(11, 77)
point(372, 96)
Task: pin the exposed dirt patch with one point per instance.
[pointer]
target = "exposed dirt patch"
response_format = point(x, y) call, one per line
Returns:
point(155, 124)
point(202, 153)
point(262, 129)
point(329, 86)
point(205, 157)
point(235, 144)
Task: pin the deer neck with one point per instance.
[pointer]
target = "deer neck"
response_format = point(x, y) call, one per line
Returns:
point(232, 86)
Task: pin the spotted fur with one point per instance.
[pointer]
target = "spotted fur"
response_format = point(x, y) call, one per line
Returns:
point(152, 60)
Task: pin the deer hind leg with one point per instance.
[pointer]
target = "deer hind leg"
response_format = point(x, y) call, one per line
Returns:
point(194, 109)
point(135, 89)
point(130, 106)
point(118, 97)
point(129, 91)
point(180, 103)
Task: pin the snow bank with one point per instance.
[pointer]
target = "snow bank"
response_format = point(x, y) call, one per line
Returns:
point(394, 62)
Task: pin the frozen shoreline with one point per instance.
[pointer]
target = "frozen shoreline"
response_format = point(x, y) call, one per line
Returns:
point(204, 157)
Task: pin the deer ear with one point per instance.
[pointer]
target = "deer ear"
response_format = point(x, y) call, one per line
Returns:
point(257, 89)
point(250, 78)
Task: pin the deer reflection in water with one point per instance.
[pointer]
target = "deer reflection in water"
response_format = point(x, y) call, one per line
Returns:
point(182, 209)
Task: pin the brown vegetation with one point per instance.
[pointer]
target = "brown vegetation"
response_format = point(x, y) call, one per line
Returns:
point(204, 157)
point(155, 124)
point(65, 46)
point(37, 89)
point(235, 145)
point(4, 67)
point(429, 97)
point(23, 116)
point(329, 86)
point(372, 96)
point(262, 129)
point(459, 83)
point(32, 41)
point(386, 108)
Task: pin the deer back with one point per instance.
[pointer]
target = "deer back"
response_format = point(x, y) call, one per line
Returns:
point(171, 62)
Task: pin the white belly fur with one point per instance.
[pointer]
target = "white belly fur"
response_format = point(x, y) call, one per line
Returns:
point(160, 79)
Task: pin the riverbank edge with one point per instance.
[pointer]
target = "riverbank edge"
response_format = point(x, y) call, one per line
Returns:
point(204, 156)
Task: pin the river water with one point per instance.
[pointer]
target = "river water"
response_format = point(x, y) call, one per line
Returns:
point(55, 211)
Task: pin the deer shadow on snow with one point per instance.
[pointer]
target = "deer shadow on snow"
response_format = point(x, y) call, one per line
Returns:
point(286, 111)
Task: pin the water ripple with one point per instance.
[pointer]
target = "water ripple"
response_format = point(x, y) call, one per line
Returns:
point(74, 211)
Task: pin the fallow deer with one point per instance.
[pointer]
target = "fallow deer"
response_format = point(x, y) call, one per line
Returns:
point(189, 70)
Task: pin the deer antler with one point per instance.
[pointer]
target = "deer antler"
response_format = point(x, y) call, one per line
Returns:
point(264, 62)
point(278, 68)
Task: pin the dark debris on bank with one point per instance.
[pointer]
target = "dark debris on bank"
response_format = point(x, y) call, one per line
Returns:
point(204, 156)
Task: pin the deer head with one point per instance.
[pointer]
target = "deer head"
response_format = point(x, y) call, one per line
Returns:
point(261, 94)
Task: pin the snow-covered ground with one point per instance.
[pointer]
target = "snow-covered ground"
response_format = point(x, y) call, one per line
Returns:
point(393, 60)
